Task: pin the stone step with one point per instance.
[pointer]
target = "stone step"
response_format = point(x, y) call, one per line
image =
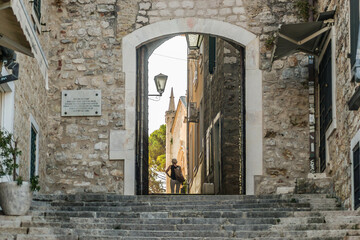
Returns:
point(329, 214)
point(170, 198)
point(209, 234)
point(150, 227)
point(74, 237)
point(46, 237)
point(201, 238)
point(7, 236)
point(15, 218)
point(268, 213)
point(10, 224)
point(183, 204)
point(162, 221)
point(110, 216)
point(14, 230)
point(315, 226)
point(283, 207)
point(339, 219)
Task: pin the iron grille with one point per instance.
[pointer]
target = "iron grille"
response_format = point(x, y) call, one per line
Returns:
point(325, 80)
point(356, 164)
point(33, 152)
point(37, 9)
point(354, 28)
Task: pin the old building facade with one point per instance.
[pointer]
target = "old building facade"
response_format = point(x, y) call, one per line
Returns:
point(97, 44)
point(176, 136)
point(23, 92)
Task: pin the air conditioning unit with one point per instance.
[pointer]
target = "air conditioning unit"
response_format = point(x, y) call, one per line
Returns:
point(193, 113)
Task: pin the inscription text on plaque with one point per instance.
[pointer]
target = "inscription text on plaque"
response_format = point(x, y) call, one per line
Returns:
point(81, 103)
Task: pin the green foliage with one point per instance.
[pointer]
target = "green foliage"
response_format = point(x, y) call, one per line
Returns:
point(8, 154)
point(34, 183)
point(157, 159)
point(269, 42)
point(157, 142)
point(19, 181)
point(304, 9)
point(155, 185)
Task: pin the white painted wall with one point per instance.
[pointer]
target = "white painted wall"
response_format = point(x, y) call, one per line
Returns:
point(125, 139)
point(7, 107)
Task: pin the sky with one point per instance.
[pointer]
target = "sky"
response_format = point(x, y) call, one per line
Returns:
point(169, 59)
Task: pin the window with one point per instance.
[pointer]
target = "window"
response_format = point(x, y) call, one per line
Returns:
point(37, 9)
point(212, 54)
point(356, 174)
point(197, 146)
point(326, 99)
point(354, 29)
point(34, 147)
point(1, 112)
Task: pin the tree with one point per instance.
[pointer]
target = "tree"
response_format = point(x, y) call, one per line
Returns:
point(157, 159)
point(157, 142)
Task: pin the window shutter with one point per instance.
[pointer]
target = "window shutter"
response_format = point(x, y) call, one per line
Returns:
point(33, 149)
point(212, 54)
point(356, 169)
point(37, 9)
point(325, 84)
point(354, 28)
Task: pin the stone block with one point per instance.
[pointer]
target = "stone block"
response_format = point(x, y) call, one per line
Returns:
point(225, 11)
point(188, 4)
point(160, 5)
point(100, 146)
point(144, 5)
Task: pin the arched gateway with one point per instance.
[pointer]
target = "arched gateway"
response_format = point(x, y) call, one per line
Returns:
point(253, 92)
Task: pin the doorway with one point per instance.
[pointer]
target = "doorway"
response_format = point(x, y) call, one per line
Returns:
point(214, 146)
point(253, 89)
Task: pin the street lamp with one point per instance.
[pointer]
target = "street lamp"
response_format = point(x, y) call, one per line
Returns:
point(194, 40)
point(160, 83)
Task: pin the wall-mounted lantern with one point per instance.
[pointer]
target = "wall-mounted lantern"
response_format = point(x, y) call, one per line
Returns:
point(160, 83)
point(194, 41)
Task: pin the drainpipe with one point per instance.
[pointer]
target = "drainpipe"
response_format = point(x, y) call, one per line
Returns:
point(187, 125)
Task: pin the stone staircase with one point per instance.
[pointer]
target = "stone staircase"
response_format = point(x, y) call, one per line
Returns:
point(106, 216)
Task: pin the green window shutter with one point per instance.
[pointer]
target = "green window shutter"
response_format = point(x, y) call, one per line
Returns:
point(354, 28)
point(325, 84)
point(356, 169)
point(33, 148)
point(37, 9)
point(212, 54)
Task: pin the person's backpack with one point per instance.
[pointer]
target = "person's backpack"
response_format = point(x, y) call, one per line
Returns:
point(178, 174)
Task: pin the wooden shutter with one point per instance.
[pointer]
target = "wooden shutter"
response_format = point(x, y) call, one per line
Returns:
point(356, 168)
point(37, 9)
point(212, 54)
point(325, 84)
point(354, 28)
point(33, 148)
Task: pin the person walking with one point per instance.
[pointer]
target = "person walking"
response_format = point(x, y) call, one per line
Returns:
point(173, 181)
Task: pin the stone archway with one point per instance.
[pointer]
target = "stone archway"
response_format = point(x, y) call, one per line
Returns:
point(121, 148)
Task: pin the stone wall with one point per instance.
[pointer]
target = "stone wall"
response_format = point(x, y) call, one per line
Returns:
point(31, 99)
point(347, 122)
point(222, 94)
point(85, 53)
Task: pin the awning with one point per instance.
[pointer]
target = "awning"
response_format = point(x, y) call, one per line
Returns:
point(17, 32)
point(303, 37)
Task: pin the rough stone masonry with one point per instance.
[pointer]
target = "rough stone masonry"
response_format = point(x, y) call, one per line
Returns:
point(85, 52)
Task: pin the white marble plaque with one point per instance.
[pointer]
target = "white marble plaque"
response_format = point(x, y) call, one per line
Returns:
point(81, 103)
